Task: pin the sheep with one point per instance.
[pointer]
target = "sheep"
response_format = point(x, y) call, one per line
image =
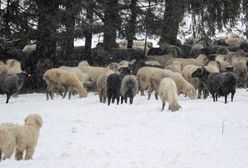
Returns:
point(95, 72)
point(172, 49)
point(187, 74)
point(240, 69)
point(196, 50)
point(29, 49)
point(114, 84)
point(83, 77)
point(125, 63)
point(199, 61)
point(129, 88)
point(22, 138)
point(175, 67)
point(10, 84)
point(57, 78)
point(13, 66)
point(182, 85)
point(3, 68)
point(142, 76)
point(152, 62)
point(219, 84)
point(168, 92)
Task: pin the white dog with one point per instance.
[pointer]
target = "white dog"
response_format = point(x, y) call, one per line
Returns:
point(22, 138)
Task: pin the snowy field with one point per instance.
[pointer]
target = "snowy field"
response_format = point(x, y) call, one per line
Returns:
point(83, 133)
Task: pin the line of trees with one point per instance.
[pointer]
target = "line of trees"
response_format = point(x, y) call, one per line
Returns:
point(53, 22)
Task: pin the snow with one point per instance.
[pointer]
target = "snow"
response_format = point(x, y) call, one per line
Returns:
point(83, 133)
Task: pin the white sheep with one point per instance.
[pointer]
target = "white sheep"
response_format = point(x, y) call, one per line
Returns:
point(125, 63)
point(13, 67)
point(101, 85)
point(58, 78)
point(198, 61)
point(83, 77)
point(168, 93)
point(95, 72)
point(29, 49)
point(142, 76)
point(182, 85)
point(129, 88)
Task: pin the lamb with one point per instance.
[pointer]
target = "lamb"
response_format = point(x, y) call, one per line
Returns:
point(129, 88)
point(13, 66)
point(168, 92)
point(10, 84)
point(22, 138)
point(114, 84)
point(56, 78)
point(219, 84)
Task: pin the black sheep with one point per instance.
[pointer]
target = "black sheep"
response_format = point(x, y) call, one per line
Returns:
point(219, 84)
point(114, 84)
point(10, 84)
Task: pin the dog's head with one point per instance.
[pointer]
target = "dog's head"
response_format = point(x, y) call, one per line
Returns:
point(34, 119)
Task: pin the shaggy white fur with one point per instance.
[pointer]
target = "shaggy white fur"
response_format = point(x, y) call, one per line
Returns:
point(22, 138)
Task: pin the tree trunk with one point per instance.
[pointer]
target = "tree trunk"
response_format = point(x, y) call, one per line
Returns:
point(173, 15)
point(88, 33)
point(111, 19)
point(46, 40)
point(71, 13)
point(132, 24)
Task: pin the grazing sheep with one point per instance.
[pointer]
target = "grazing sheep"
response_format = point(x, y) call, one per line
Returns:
point(83, 77)
point(114, 84)
point(13, 66)
point(142, 76)
point(129, 88)
point(20, 138)
point(168, 92)
point(58, 78)
point(182, 85)
point(175, 67)
point(95, 72)
point(219, 84)
point(10, 84)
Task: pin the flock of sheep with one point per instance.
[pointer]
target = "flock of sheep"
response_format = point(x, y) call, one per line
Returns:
point(217, 74)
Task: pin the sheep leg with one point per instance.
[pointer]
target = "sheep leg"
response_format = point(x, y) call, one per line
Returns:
point(149, 93)
point(156, 95)
point(29, 153)
point(113, 99)
point(18, 154)
point(213, 97)
point(225, 99)
point(216, 97)
point(118, 99)
point(69, 95)
point(109, 99)
point(163, 104)
point(122, 98)
point(0, 155)
point(232, 95)
point(131, 100)
point(8, 97)
point(126, 99)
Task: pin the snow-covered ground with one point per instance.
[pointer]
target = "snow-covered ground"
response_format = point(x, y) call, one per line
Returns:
point(83, 133)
